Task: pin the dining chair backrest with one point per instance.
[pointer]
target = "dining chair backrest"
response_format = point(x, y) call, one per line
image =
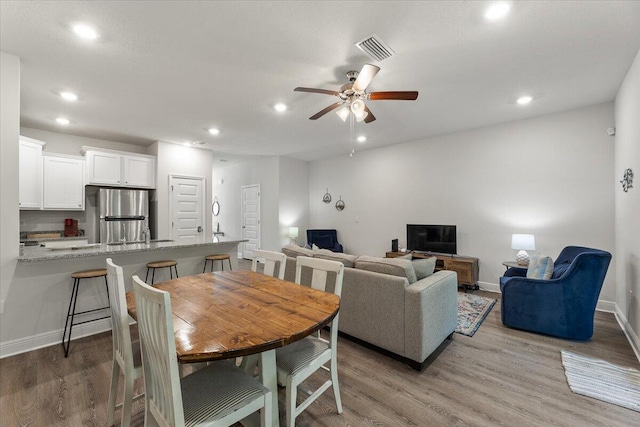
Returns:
point(159, 357)
point(271, 260)
point(122, 350)
point(320, 269)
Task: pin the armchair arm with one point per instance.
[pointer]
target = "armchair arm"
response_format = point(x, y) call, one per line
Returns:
point(337, 247)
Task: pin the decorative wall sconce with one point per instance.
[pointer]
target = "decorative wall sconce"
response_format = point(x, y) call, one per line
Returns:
point(627, 180)
point(340, 204)
point(327, 197)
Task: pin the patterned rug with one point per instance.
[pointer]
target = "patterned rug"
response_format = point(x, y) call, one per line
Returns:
point(602, 380)
point(472, 309)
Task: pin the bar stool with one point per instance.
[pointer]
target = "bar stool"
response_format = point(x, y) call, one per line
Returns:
point(161, 264)
point(217, 257)
point(71, 313)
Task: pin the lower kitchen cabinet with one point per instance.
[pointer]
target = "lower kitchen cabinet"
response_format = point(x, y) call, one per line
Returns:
point(63, 187)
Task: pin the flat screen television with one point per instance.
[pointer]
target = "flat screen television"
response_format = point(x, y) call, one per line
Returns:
point(432, 238)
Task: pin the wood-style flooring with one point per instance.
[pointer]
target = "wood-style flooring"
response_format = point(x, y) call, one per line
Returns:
point(500, 376)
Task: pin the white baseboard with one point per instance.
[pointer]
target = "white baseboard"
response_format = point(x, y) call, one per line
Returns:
point(489, 287)
point(626, 328)
point(23, 345)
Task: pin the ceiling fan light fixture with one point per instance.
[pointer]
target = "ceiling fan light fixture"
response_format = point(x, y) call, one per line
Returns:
point(361, 116)
point(357, 107)
point(343, 113)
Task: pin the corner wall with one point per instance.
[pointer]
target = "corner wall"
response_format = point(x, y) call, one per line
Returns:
point(550, 176)
point(9, 137)
point(627, 217)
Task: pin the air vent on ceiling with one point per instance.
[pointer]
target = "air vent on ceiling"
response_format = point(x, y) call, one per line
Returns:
point(375, 48)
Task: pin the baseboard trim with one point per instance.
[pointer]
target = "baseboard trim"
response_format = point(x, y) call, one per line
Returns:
point(489, 287)
point(23, 345)
point(628, 331)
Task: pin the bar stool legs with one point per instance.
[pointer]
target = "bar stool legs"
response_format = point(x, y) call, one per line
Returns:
point(72, 313)
point(217, 257)
point(151, 266)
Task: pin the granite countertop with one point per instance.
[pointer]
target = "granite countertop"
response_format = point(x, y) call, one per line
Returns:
point(37, 253)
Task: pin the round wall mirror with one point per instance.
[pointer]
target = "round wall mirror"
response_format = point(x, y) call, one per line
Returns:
point(215, 208)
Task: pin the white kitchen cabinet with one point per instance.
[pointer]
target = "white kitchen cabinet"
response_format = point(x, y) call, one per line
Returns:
point(63, 182)
point(103, 168)
point(30, 173)
point(119, 168)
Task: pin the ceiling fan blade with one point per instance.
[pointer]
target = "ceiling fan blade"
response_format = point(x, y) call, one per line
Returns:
point(326, 110)
point(403, 96)
point(365, 76)
point(370, 117)
point(314, 90)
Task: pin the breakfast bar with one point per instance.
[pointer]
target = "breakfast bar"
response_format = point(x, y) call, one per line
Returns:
point(42, 283)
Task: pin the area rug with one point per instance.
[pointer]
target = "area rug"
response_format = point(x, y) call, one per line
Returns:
point(472, 310)
point(602, 380)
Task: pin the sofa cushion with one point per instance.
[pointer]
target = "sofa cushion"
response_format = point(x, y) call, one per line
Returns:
point(296, 251)
point(424, 267)
point(540, 267)
point(559, 269)
point(392, 266)
point(345, 259)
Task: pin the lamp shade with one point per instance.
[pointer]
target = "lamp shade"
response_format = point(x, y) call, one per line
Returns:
point(523, 241)
point(293, 232)
point(343, 113)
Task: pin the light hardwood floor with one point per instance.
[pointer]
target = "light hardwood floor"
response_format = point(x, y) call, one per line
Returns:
point(500, 376)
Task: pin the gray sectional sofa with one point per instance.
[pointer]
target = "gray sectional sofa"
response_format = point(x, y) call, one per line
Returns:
point(385, 304)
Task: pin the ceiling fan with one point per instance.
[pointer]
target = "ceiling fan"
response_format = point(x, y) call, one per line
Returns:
point(353, 94)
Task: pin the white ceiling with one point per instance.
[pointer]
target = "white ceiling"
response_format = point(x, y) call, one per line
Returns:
point(169, 70)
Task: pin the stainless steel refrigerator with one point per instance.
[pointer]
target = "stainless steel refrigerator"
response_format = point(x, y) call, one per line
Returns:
point(124, 215)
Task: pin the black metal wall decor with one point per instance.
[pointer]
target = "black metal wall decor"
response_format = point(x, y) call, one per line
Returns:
point(627, 180)
point(340, 204)
point(327, 197)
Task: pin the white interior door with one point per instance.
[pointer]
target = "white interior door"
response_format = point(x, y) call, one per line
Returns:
point(250, 220)
point(187, 207)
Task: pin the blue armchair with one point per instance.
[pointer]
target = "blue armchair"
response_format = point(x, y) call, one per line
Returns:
point(324, 239)
point(563, 306)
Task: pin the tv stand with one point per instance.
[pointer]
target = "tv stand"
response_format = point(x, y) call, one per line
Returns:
point(466, 267)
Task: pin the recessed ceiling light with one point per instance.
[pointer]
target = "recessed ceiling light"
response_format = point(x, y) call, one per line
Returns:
point(69, 96)
point(497, 11)
point(214, 131)
point(280, 107)
point(362, 138)
point(85, 31)
point(524, 100)
point(62, 121)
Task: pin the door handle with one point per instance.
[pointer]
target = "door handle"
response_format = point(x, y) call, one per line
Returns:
point(199, 229)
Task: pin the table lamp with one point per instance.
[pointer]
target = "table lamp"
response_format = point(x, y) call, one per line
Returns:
point(523, 243)
point(293, 233)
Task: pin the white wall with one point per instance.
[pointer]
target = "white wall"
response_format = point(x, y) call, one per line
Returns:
point(294, 196)
point(263, 172)
point(627, 155)
point(550, 176)
point(173, 159)
point(9, 134)
point(62, 143)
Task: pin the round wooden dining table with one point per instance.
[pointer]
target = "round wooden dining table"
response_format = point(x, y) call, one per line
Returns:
point(223, 315)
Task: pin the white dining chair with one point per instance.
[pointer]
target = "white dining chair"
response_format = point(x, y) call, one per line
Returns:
point(271, 260)
point(218, 395)
point(126, 354)
point(297, 361)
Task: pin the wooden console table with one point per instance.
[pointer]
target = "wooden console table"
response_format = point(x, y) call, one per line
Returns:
point(466, 267)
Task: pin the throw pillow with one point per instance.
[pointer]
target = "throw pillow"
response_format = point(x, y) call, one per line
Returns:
point(345, 259)
point(391, 266)
point(295, 251)
point(314, 248)
point(424, 267)
point(540, 267)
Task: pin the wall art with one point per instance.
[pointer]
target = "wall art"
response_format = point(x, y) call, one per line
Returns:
point(627, 180)
point(340, 204)
point(327, 197)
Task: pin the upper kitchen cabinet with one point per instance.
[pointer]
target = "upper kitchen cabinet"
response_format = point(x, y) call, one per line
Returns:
point(30, 173)
point(63, 182)
point(119, 168)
